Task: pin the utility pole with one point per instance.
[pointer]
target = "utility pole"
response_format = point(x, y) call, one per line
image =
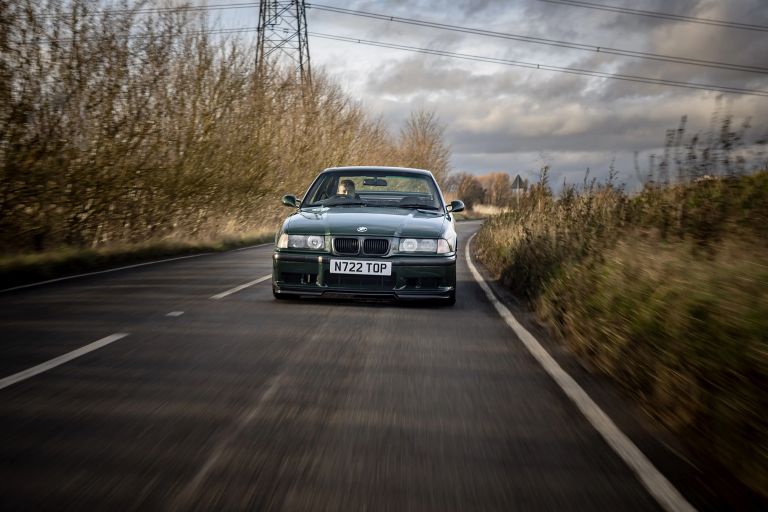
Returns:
point(282, 36)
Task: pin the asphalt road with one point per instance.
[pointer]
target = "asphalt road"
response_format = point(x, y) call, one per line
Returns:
point(249, 403)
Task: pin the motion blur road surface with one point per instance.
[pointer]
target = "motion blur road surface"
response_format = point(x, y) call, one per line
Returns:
point(250, 403)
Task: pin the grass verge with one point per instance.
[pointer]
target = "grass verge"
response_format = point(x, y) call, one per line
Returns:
point(666, 292)
point(478, 212)
point(30, 268)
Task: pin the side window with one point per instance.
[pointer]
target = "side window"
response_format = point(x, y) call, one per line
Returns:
point(325, 188)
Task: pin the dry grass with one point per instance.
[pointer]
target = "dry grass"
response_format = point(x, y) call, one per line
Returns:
point(34, 267)
point(487, 210)
point(126, 127)
point(667, 292)
point(685, 334)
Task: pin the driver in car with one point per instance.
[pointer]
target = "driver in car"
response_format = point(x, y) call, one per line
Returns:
point(346, 188)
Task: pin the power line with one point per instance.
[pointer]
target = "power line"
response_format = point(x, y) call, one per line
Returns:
point(478, 58)
point(494, 60)
point(160, 10)
point(488, 33)
point(547, 42)
point(531, 65)
point(661, 15)
point(219, 31)
point(571, 3)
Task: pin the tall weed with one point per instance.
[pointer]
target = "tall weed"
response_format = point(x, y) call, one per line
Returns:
point(666, 291)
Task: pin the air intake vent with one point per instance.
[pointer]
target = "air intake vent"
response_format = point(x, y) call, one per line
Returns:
point(346, 245)
point(376, 246)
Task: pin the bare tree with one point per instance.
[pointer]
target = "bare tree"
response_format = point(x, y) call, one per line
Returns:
point(422, 144)
point(123, 126)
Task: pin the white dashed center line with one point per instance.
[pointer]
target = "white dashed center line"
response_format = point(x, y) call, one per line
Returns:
point(58, 361)
point(236, 289)
point(175, 313)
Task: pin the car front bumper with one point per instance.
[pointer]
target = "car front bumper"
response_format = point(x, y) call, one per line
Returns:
point(413, 277)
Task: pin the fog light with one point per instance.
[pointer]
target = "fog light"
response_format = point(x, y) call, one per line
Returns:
point(315, 242)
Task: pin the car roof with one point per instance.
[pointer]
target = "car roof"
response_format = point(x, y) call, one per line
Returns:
point(378, 168)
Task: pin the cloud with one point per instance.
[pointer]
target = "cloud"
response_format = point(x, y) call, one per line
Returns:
point(499, 115)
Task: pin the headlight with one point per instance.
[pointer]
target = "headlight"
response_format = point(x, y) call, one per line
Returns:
point(427, 245)
point(418, 245)
point(312, 242)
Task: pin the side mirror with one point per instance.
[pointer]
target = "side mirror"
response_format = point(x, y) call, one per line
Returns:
point(290, 200)
point(456, 206)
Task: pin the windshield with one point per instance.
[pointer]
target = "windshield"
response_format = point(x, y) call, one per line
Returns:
point(374, 188)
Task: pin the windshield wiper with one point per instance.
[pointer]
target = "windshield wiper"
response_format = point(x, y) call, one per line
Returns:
point(419, 206)
point(346, 203)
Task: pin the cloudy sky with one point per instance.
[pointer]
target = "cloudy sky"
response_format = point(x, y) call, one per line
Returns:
point(503, 118)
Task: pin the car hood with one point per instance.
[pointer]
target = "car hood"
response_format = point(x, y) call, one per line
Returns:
point(388, 222)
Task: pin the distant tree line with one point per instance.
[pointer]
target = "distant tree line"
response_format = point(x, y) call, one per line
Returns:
point(118, 126)
point(495, 188)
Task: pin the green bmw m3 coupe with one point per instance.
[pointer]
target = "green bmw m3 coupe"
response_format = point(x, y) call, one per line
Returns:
point(368, 232)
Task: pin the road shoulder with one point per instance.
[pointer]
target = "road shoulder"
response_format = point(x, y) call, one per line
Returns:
point(704, 483)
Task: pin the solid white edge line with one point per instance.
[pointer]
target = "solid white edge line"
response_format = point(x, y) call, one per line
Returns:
point(251, 247)
point(243, 286)
point(65, 278)
point(58, 361)
point(668, 497)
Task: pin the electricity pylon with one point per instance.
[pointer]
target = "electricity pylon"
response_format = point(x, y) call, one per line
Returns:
point(282, 36)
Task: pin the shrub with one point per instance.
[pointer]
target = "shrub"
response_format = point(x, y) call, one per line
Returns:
point(665, 291)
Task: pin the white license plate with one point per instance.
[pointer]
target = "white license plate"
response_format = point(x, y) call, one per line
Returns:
point(364, 268)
